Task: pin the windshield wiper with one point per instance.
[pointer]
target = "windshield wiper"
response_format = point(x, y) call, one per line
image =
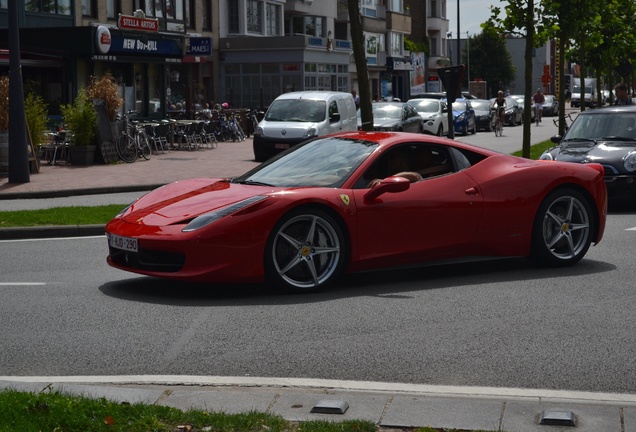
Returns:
point(252, 183)
point(579, 140)
point(617, 138)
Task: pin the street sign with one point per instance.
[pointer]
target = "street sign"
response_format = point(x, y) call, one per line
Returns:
point(452, 79)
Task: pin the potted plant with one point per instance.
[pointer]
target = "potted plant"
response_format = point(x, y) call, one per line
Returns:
point(81, 118)
point(106, 89)
point(37, 117)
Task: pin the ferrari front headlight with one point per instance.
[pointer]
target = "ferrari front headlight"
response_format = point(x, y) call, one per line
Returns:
point(207, 218)
point(629, 161)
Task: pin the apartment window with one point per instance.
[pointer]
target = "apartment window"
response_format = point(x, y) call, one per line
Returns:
point(434, 11)
point(273, 19)
point(178, 13)
point(397, 45)
point(434, 47)
point(59, 7)
point(206, 15)
point(254, 16)
point(233, 16)
point(89, 8)
point(369, 8)
point(396, 6)
point(113, 8)
point(308, 25)
point(443, 11)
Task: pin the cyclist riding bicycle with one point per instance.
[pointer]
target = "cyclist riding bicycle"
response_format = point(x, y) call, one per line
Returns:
point(539, 100)
point(500, 105)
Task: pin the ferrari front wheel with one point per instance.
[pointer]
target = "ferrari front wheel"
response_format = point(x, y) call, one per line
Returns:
point(305, 251)
point(562, 230)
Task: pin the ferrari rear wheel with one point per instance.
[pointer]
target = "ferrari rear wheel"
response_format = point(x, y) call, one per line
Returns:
point(305, 251)
point(562, 229)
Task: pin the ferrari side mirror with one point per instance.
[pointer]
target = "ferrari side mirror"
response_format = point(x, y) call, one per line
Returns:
point(390, 185)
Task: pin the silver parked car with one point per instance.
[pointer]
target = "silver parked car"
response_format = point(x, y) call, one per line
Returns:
point(434, 112)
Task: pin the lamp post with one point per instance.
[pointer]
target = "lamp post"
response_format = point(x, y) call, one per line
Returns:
point(459, 53)
point(449, 36)
point(468, 58)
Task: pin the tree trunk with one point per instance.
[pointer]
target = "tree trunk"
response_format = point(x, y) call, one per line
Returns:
point(359, 54)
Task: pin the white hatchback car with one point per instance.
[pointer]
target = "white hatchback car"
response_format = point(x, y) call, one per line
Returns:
point(435, 114)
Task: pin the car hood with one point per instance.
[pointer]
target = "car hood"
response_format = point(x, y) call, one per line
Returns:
point(588, 151)
point(385, 122)
point(286, 130)
point(182, 201)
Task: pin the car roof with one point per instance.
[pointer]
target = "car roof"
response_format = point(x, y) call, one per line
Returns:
point(430, 95)
point(609, 109)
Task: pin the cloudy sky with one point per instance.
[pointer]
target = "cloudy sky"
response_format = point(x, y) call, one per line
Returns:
point(471, 14)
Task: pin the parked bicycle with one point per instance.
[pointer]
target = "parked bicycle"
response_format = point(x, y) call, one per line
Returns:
point(133, 141)
point(566, 117)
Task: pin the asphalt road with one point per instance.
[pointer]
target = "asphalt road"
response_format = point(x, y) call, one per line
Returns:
point(502, 323)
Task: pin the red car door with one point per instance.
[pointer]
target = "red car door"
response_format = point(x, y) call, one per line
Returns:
point(434, 219)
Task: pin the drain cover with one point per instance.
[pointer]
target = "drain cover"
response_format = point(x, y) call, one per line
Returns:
point(330, 407)
point(557, 418)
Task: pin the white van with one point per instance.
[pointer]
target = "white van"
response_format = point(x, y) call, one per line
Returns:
point(297, 116)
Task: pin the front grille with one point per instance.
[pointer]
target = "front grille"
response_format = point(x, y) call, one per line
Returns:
point(150, 260)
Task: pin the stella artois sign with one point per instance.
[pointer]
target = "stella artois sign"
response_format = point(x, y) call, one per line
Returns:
point(138, 22)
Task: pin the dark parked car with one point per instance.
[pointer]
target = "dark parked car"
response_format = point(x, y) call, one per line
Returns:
point(550, 106)
point(606, 136)
point(514, 111)
point(484, 114)
point(395, 116)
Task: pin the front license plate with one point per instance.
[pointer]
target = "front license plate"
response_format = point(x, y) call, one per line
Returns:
point(281, 146)
point(123, 243)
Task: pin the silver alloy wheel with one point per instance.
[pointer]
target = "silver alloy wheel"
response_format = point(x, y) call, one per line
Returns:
point(566, 228)
point(306, 251)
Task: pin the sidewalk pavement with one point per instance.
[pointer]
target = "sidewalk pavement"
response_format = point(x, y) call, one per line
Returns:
point(61, 180)
point(388, 405)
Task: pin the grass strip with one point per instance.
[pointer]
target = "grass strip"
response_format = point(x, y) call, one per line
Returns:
point(77, 215)
point(57, 412)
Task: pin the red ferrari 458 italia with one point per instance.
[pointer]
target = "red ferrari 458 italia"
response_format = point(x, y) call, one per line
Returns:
point(358, 201)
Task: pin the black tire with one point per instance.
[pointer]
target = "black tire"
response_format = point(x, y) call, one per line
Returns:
point(126, 149)
point(305, 251)
point(144, 146)
point(563, 228)
point(440, 131)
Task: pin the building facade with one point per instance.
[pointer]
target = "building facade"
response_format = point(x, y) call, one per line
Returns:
point(176, 55)
point(160, 51)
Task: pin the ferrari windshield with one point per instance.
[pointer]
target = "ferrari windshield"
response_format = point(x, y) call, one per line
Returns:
point(300, 110)
point(326, 162)
point(610, 125)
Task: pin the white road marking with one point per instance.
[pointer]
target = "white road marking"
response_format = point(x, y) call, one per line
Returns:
point(22, 283)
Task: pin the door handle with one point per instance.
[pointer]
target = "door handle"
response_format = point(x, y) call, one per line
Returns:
point(471, 191)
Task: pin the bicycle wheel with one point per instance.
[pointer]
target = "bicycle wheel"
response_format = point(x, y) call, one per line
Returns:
point(126, 148)
point(144, 145)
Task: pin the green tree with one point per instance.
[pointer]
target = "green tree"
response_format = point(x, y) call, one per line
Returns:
point(490, 61)
point(525, 19)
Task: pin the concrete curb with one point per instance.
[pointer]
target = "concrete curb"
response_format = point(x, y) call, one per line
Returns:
point(42, 232)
